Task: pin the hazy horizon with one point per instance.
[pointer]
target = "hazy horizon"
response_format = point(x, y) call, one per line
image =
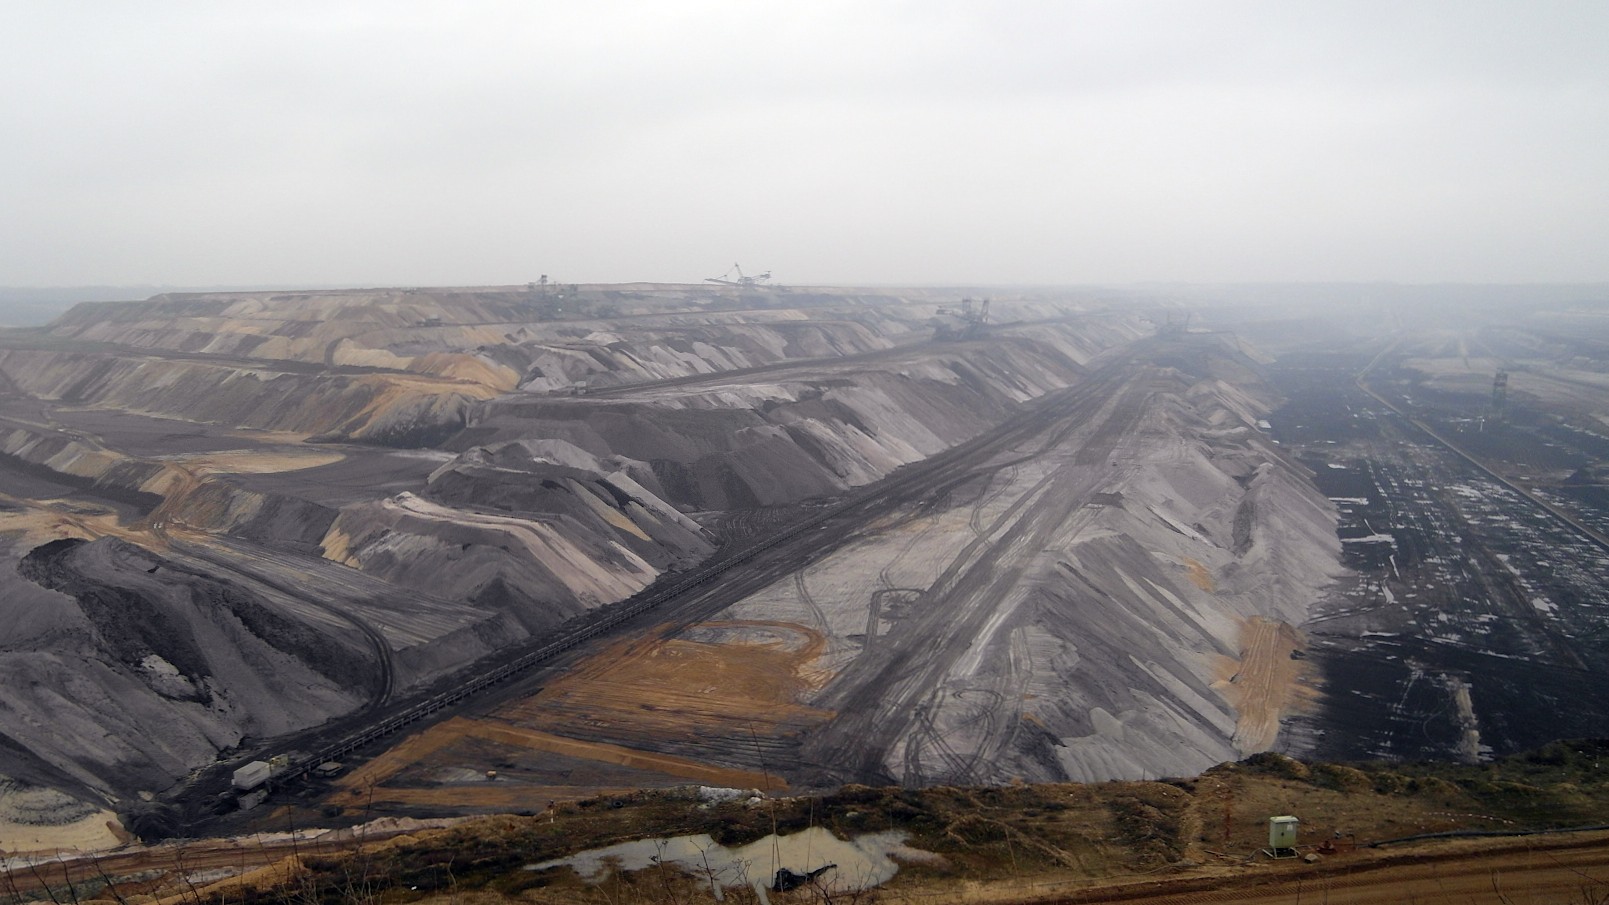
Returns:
point(22, 306)
point(884, 143)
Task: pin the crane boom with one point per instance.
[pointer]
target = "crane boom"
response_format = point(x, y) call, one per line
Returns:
point(743, 280)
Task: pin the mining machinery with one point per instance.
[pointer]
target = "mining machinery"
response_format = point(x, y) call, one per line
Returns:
point(743, 281)
point(967, 322)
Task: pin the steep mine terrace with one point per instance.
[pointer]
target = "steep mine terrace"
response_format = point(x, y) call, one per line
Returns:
point(923, 629)
point(670, 534)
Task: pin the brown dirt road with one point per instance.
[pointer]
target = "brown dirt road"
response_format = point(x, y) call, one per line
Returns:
point(1566, 869)
point(1538, 870)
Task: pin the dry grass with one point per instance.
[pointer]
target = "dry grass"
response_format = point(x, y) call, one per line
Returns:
point(1001, 844)
point(998, 843)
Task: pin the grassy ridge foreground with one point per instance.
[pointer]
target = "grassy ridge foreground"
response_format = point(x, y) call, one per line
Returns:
point(1010, 839)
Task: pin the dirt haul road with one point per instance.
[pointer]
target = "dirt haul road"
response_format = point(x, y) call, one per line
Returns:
point(1538, 871)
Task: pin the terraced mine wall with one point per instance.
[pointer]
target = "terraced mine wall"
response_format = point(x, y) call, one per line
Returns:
point(379, 407)
point(419, 480)
point(1113, 595)
point(1105, 586)
point(768, 443)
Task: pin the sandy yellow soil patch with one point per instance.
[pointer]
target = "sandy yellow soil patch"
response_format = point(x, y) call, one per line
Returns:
point(642, 711)
point(411, 750)
point(486, 797)
point(732, 678)
point(40, 521)
point(471, 368)
point(450, 747)
point(96, 832)
point(391, 386)
point(263, 435)
point(1200, 575)
point(1264, 683)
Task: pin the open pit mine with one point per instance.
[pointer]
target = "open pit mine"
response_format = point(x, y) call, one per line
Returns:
point(737, 536)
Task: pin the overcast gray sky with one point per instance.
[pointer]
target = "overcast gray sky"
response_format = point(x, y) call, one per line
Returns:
point(830, 142)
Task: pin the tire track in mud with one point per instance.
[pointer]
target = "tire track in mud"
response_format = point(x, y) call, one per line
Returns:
point(958, 768)
point(874, 609)
point(961, 767)
point(874, 613)
point(882, 574)
point(999, 488)
point(1006, 714)
point(986, 716)
point(816, 612)
point(924, 734)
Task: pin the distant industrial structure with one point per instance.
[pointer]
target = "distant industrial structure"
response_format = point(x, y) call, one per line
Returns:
point(969, 321)
point(743, 281)
point(1499, 412)
point(1175, 326)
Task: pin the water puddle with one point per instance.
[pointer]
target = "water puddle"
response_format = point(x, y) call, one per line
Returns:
point(861, 863)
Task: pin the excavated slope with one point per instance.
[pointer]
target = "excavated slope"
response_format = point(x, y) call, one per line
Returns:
point(490, 499)
point(146, 669)
point(380, 407)
point(1119, 605)
point(1109, 592)
point(503, 338)
point(723, 445)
